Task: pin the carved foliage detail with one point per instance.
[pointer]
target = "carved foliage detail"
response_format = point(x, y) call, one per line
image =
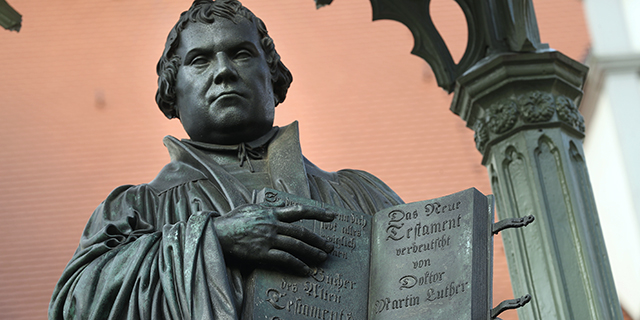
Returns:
point(536, 106)
point(481, 135)
point(533, 107)
point(502, 116)
point(568, 112)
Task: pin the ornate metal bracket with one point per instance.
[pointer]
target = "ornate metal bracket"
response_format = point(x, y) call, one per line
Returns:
point(497, 227)
point(508, 305)
point(429, 44)
point(511, 223)
point(493, 26)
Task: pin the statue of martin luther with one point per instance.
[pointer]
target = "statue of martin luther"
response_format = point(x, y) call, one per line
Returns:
point(182, 246)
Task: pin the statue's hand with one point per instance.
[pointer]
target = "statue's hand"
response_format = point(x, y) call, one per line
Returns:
point(264, 234)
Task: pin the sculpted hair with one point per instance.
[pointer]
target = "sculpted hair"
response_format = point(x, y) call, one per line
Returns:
point(206, 11)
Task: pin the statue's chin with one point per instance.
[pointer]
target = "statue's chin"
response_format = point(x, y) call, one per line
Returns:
point(241, 133)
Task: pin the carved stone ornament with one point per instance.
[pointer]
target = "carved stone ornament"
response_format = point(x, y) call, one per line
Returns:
point(568, 112)
point(481, 135)
point(502, 116)
point(533, 107)
point(536, 106)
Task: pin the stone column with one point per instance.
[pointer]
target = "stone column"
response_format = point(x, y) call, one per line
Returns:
point(523, 109)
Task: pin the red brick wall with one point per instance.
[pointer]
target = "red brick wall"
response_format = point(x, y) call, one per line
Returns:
point(77, 88)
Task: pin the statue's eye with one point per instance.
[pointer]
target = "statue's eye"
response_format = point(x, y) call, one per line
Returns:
point(243, 54)
point(199, 60)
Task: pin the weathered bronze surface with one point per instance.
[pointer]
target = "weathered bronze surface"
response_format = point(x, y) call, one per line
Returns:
point(241, 226)
point(433, 259)
point(185, 245)
point(336, 289)
point(430, 259)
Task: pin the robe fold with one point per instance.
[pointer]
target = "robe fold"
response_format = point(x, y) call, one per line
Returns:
point(151, 251)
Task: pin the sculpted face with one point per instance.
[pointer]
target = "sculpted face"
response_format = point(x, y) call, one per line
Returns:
point(224, 93)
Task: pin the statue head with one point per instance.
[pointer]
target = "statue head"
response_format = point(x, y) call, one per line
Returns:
point(217, 22)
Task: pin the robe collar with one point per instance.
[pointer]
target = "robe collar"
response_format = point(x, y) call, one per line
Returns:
point(285, 163)
point(246, 151)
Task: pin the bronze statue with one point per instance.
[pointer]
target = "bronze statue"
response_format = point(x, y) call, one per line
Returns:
point(182, 246)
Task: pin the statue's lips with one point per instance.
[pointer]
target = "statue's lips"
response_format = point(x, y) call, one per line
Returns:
point(229, 94)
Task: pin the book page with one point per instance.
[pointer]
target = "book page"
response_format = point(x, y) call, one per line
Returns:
point(430, 258)
point(337, 289)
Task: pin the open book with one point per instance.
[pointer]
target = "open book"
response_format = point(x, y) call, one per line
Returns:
point(423, 260)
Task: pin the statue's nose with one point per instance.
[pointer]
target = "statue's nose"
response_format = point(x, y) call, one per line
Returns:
point(225, 70)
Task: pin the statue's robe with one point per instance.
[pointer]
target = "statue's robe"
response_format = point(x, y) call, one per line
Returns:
point(151, 252)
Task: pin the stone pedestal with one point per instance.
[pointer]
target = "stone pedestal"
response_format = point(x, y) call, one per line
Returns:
point(523, 109)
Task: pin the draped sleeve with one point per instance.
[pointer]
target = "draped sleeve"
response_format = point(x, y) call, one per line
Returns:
point(149, 255)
